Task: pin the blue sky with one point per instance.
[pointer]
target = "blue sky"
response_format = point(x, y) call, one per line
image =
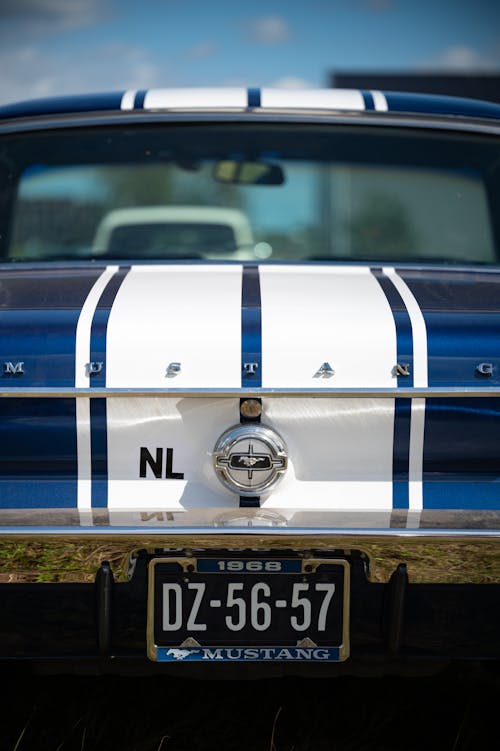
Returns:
point(74, 46)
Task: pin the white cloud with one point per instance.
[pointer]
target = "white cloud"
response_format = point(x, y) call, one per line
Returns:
point(462, 58)
point(269, 30)
point(34, 74)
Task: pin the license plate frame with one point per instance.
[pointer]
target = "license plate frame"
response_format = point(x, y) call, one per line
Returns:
point(218, 643)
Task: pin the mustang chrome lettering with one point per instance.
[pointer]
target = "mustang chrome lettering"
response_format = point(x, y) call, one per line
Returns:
point(156, 464)
point(173, 369)
point(485, 368)
point(250, 653)
point(325, 371)
point(94, 367)
point(401, 369)
point(10, 368)
point(250, 459)
point(250, 367)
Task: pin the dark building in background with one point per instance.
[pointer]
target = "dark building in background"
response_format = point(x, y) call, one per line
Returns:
point(474, 86)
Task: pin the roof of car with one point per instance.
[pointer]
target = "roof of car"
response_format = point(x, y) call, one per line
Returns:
point(181, 99)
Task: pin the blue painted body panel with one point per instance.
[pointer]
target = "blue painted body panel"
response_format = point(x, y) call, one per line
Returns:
point(38, 453)
point(441, 105)
point(38, 317)
point(462, 454)
point(401, 453)
point(251, 327)
point(99, 452)
point(462, 316)
point(62, 105)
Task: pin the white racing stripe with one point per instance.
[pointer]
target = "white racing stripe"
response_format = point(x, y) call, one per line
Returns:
point(418, 328)
point(128, 100)
point(84, 484)
point(312, 315)
point(193, 98)
point(342, 449)
point(84, 327)
point(340, 454)
point(416, 463)
point(379, 101)
point(335, 99)
point(196, 98)
point(190, 428)
point(190, 315)
point(82, 357)
point(420, 380)
point(183, 314)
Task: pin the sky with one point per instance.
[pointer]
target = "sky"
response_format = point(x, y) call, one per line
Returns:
point(51, 47)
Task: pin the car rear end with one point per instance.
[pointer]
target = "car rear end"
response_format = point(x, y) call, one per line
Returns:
point(285, 456)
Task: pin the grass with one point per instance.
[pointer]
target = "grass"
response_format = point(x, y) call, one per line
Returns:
point(444, 562)
point(58, 562)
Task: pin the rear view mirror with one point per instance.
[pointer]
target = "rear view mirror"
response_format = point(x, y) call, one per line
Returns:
point(248, 173)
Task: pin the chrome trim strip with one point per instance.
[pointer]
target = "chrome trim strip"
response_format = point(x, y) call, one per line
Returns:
point(251, 532)
point(349, 393)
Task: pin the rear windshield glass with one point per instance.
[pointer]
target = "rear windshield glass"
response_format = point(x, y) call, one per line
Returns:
point(250, 193)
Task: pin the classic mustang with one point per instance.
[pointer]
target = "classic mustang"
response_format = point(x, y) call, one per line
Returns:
point(250, 354)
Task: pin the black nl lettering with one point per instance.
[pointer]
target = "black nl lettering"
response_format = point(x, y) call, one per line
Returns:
point(155, 464)
point(168, 469)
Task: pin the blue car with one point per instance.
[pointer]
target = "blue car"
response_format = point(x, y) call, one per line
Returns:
point(250, 356)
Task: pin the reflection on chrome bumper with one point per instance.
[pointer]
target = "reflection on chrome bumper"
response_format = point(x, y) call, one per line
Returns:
point(75, 555)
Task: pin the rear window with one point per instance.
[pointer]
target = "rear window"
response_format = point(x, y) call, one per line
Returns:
point(261, 192)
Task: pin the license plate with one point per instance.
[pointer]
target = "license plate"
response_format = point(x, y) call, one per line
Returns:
point(248, 609)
